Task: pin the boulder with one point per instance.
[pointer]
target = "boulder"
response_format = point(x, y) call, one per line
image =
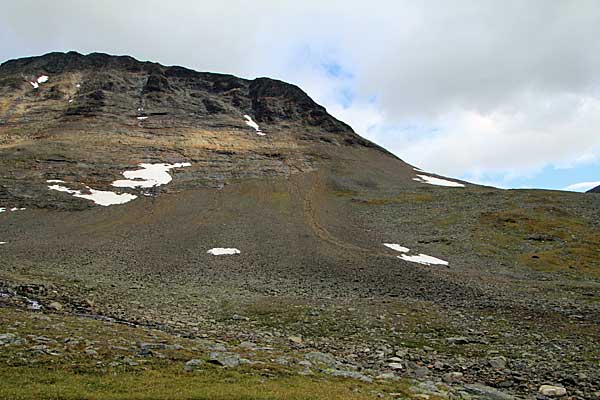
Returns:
point(227, 360)
point(192, 364)
point(552, 391)
point(321, 358)
point(488, 393)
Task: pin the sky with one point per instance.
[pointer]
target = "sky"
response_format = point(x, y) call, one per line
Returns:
point(505, 93)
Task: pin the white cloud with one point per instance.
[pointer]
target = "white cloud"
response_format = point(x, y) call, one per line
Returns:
point(582, 186)
point(462, 88)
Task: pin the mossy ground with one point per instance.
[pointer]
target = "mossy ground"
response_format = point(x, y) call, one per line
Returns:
point(65, 371)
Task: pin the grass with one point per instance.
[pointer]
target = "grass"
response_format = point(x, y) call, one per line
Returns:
point(76, 375)
point(172, 383)
point(569, 244)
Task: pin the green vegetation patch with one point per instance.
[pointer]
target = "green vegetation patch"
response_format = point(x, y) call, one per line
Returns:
point(544, 238)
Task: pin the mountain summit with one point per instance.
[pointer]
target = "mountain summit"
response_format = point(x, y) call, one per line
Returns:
point(98, 114)
point(156, 222)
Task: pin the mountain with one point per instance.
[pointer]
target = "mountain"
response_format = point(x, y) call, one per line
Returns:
point(594, 190)
point(160, 224)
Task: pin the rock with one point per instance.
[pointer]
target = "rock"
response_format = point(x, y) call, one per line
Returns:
point(218, 347)
point(420, 372)
point(56, 306)
point(458, 340)
point(452, 377)
point(11, 339)
point(552, 391)
point(145, 352)
point(351, 374)
point(395, 365)
point(152, 346)
point(129, 361)
point(401, 353)
point(305, 372)
point(295, 339)
point(192, 364)
point(240, 318)
point(305, 363)
point(497, 362)
point(227, 360)
point(247, 345)
point(282, 361)
point(427, 387)
point(91, 352)
point(321, 358)
point(387, 376)
point(487, 393)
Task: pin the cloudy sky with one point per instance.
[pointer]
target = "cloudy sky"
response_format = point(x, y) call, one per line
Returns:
point(499, 92)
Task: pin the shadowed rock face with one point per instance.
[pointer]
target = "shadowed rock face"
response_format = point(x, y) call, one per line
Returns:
point(121, 81)
point(594, 190)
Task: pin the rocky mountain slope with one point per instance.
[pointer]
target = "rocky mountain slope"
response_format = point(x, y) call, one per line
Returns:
point(166, 228)
point(594, 190)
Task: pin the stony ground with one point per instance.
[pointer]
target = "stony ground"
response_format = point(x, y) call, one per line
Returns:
point(494, 321)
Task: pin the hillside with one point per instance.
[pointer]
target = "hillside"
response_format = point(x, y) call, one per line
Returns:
point(594, 190)
point(151, 216)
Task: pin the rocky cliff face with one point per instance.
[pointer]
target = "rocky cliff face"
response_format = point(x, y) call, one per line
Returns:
point(94, 116)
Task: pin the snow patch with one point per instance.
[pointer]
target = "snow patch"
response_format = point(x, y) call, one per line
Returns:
point(250, 122)
point(2, 242)
point(12, 209)
point(100, 197)
point(397, 247)
point(149, 176)
point(41, 79)
point(220, 251)
point(423, 259)
point(106, 198)
point(33, 304)
point(142, 118)
point(437, 181)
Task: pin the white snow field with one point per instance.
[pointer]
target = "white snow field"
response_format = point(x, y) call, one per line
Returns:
point(41, 79)
point(100, 197)
point(150, 175)
point(13, 209)
point(437, 181)
point(250, 122)
point(397, 247)
point(423, 259)
point(220, 251)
